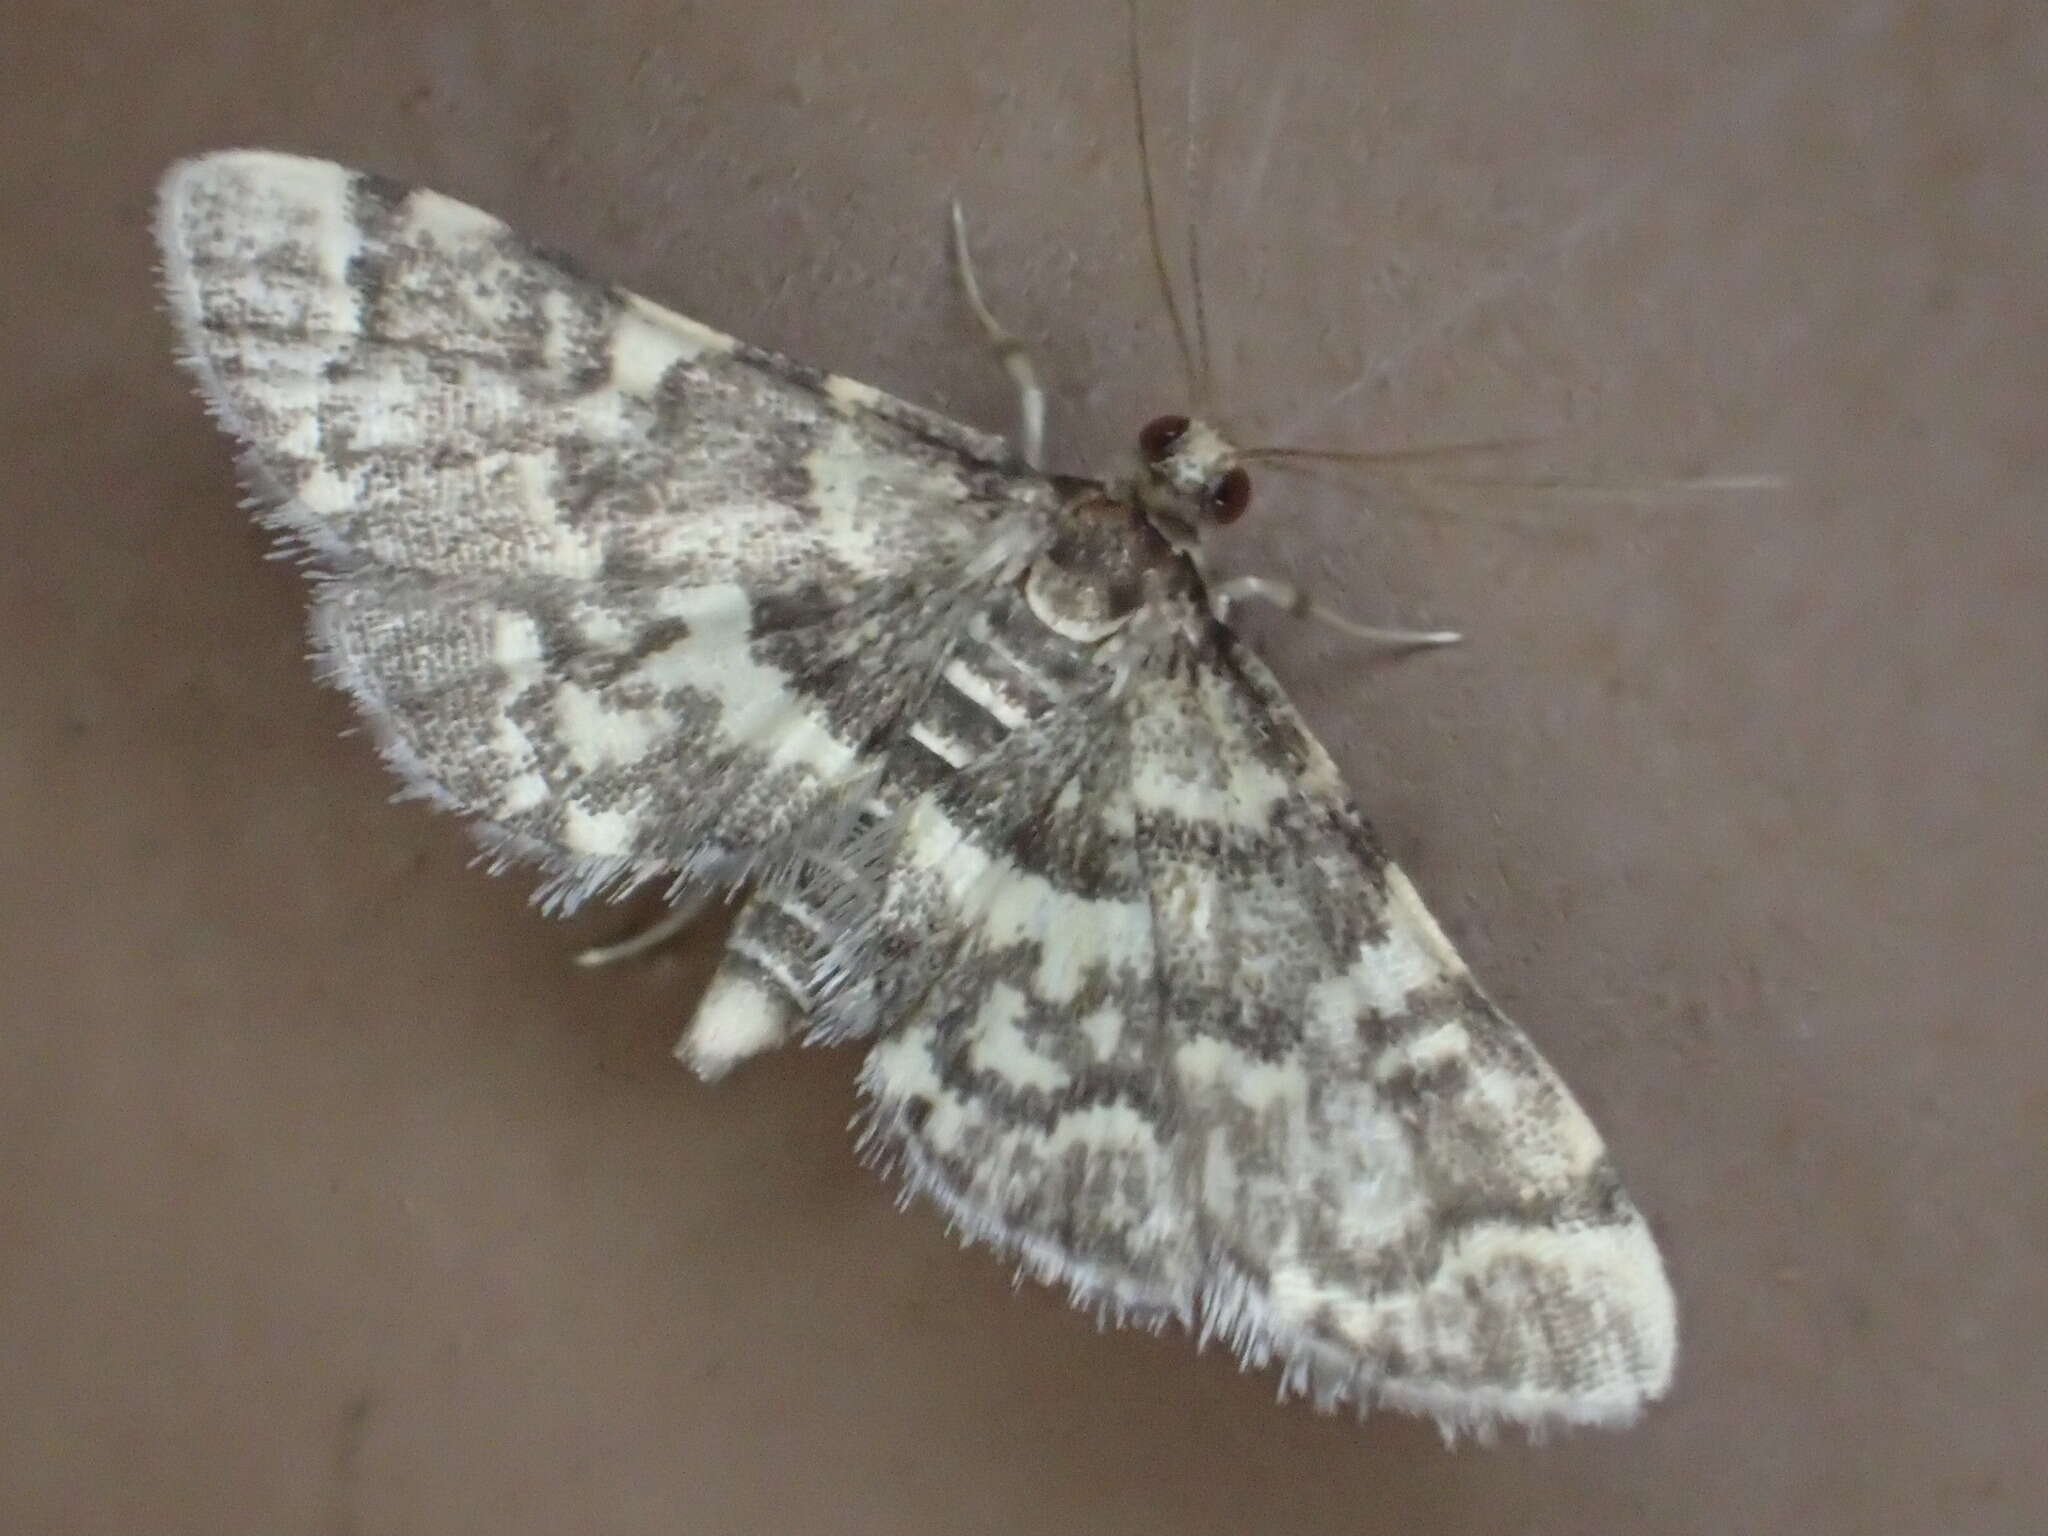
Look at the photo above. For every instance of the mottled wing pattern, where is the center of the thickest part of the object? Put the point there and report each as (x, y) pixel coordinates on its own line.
(1149, 1007)
(563, 529)
(1208, 1057)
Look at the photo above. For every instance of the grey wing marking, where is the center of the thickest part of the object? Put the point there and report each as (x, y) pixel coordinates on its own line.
(566, 526)
(1216, 1062)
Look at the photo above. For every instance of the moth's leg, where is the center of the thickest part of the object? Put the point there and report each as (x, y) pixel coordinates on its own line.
(655, 934)
(1009, 351)
(1285, 594)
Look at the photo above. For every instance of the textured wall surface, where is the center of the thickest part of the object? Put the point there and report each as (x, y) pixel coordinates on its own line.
(333, 1198)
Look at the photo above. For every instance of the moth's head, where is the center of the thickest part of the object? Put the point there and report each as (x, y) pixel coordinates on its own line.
(1191, 479)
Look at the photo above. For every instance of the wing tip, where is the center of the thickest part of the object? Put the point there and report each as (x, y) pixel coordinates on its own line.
(274, 166)
(1611, 1280)
(225, 177)
(186, 182)
(177, 194)
(214, 214)
(189, 217)
(1617, 1269)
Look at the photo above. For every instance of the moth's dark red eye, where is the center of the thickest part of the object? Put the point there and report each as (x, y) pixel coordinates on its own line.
(1230, 495)
(1159, 436)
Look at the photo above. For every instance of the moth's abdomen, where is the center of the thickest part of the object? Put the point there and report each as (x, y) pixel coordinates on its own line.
(1005, 671)
(796, 959)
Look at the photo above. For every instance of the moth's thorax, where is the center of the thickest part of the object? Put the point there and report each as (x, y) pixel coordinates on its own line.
(1106, 563)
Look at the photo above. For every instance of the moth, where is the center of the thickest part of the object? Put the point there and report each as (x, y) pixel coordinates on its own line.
(1146, 1006)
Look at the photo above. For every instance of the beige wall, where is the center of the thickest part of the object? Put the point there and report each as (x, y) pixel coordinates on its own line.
(332, 1198)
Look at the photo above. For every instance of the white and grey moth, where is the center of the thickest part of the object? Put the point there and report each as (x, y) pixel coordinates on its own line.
(1146, 1005)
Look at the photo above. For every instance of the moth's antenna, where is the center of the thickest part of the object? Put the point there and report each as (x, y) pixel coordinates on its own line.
(1180, 330)
(1640, 492)
(1205, 379)
(1410, 472)
(1387, 456)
